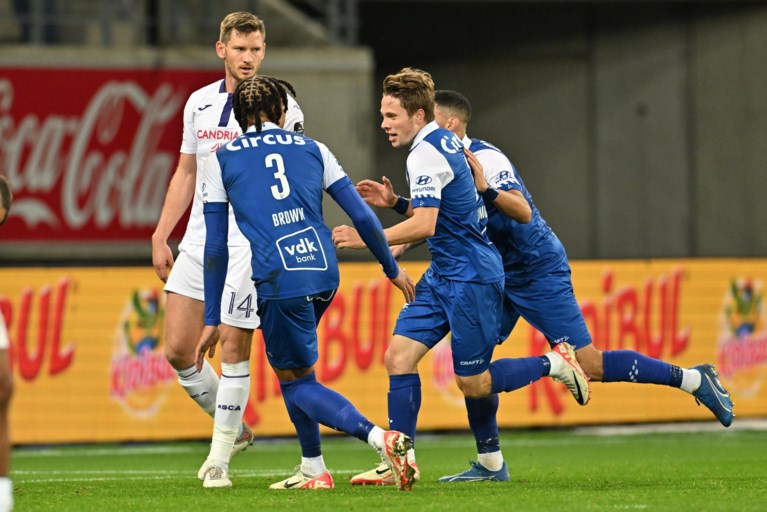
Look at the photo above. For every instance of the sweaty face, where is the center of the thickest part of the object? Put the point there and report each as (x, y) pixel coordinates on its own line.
(399, 127)
(242, 54)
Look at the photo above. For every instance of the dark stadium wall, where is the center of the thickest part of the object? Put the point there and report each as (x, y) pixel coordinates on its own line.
(637, 126)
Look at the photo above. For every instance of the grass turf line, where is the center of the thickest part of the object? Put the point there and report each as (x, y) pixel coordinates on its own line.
(550, 470)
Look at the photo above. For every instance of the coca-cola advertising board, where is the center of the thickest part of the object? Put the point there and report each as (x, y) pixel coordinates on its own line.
(89, 152)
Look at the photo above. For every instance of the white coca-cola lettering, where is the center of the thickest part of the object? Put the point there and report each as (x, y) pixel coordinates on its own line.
(109, 187)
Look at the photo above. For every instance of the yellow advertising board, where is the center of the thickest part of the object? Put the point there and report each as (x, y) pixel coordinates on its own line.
(87, 351)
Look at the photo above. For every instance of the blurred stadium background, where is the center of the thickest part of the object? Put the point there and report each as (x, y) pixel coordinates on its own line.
(639, 128)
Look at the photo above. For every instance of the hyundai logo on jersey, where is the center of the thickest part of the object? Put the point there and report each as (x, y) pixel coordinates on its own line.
(302, 250)
(423, 180)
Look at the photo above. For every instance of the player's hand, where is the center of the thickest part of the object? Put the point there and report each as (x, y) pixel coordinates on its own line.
(346, 237)
(399, 250)
(405, 284)
(162, 259)
(377, 194)
(476, 170)
(207, 343)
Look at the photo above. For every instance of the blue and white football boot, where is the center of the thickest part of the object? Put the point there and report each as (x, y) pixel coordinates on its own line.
(712, 394)
(478, 473)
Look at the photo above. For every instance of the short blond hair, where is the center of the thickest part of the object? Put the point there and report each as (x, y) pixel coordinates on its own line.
(242, 22)
(414, 88)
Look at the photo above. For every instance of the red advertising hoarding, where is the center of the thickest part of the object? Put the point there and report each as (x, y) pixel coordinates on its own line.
(89, 152)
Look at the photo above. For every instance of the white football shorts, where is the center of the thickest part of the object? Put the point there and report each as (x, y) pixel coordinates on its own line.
(238, 303)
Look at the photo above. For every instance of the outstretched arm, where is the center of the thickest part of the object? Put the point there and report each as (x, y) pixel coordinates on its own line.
(416, 229)
(372, 234)
(382, 195)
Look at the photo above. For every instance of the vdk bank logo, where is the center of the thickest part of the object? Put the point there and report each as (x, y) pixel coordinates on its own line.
(743, 338)
(302, 250)
(141, 376)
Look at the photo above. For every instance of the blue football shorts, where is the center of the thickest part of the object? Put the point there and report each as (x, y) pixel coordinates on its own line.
(548, 304)
(289, 327)
(470, 311)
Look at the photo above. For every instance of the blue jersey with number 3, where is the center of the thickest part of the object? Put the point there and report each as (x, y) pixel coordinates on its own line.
(274, 180)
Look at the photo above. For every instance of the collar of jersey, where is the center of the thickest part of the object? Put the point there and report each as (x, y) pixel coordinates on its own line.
(466, 141)
(426, 130)
(264, 126)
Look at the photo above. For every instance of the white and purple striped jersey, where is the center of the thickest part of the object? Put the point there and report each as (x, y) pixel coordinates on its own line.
(440, 177)
(209, 123)
(525, 248)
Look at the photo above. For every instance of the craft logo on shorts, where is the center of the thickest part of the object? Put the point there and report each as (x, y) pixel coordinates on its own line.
(141, 376)
(743, 337)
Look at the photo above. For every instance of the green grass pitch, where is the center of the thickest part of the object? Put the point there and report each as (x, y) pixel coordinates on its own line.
(550, 470)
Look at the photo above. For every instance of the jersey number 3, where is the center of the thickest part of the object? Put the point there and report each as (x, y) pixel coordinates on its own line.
(282, 189)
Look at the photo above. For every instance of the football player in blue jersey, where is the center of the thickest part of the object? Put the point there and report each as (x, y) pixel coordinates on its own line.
(274, 179)
(461, 292)
(6, 378)
(539, 289)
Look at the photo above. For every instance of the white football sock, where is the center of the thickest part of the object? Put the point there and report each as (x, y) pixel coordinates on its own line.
(201, 387)
(690, 380)
(6, 493)
(313, 466)
(556, 363)
(376, 438)
(492, 461)
(231, 399)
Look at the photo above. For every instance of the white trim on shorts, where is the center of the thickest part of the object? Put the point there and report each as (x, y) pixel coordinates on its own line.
(186, 278)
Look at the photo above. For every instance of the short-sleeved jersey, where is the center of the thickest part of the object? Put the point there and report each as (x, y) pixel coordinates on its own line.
(274, 182)
(525, 248)
(209, 124)
(440, 177)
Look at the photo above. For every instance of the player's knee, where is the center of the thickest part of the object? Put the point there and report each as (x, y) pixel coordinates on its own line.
(472, 387)
(399, 362)
(177, 358)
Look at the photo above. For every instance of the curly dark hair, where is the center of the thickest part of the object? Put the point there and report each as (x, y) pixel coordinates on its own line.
(260, 94)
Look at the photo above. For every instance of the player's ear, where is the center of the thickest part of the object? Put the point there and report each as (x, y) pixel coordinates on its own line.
(220, 49)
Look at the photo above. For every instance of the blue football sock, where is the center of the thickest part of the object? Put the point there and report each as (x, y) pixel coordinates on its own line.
(484, 426)
(630, 366)
(514, 373)
(308, 430)
(404, 402)
(328, 407)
